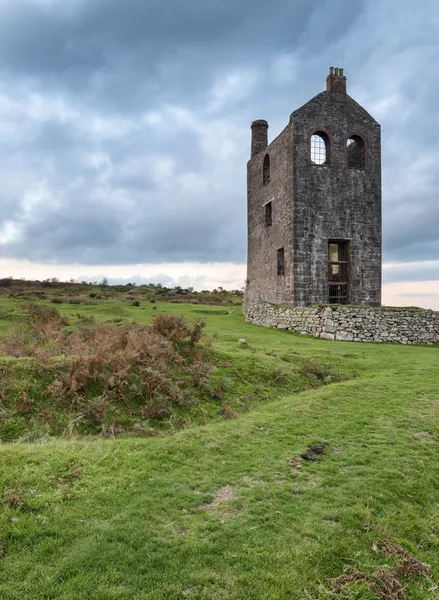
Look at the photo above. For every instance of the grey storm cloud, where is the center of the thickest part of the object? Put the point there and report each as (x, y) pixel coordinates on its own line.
(125, 125)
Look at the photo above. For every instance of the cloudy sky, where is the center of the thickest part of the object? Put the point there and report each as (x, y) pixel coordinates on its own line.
(125, 130)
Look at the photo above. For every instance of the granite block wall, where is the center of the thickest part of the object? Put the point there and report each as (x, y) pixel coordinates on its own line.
(354, 324)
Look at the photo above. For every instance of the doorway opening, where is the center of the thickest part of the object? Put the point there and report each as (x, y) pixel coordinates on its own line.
(338, 271)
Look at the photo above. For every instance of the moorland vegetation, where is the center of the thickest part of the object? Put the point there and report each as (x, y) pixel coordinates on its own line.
(147, 454)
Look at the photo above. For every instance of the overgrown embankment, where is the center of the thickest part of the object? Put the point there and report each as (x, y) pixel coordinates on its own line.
(76, 375)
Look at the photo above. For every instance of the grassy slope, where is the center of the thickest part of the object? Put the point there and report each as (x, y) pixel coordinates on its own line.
(245, 376)
(119, 519)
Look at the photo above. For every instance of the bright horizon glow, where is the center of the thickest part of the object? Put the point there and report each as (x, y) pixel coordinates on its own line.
(211, 275)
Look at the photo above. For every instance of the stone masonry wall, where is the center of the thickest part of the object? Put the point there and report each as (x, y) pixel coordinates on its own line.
(335, 201)
(263, 282)
(362, 324)
(314, 204)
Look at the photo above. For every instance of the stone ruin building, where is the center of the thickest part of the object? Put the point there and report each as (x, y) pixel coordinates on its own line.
(314, 205)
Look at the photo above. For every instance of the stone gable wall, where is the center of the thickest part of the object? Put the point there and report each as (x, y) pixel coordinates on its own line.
(398, 325)
(312, 204)
(335, 202)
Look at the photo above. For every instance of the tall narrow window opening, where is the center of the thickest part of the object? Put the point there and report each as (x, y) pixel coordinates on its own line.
(319, 148)
(355, 152)
(338, 271)
(268, 214)
(280, 261)
(266, 170)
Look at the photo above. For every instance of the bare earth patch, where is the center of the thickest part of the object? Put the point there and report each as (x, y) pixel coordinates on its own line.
(181, 532)
(344, 469)
(223, 495)
(295, 465)
(252, 480)
(422, 436)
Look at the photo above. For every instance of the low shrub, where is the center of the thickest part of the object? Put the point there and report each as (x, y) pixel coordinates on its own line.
(170, 326)
(81, 300)
(313, 369)
(74, 300)
(110, 376)
(177, 328)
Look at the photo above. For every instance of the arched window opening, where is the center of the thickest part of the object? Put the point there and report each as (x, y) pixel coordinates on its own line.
(320, 148)
(355, 152)
(266, 170)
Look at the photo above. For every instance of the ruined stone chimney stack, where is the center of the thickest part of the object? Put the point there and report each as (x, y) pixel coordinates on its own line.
(259, 136)
(336, 81)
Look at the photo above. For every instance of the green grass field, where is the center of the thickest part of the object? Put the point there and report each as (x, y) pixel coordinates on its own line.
(228, 509)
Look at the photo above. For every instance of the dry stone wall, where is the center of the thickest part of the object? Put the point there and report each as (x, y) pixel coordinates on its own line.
(353, 324)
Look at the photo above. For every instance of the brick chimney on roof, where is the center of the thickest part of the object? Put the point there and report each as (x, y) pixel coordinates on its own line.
(336, 81)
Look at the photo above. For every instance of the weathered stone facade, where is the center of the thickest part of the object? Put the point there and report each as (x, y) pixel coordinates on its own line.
(359, 324)
(314, 204)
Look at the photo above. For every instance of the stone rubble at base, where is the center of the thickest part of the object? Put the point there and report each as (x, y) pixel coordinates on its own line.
(351, 324)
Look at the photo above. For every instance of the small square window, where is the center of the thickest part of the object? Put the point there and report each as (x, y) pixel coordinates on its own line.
(281, 261)
(268, 214)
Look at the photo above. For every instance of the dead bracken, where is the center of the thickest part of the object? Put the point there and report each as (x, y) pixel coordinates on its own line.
(389, 582)
(13, 500)
(95, 371)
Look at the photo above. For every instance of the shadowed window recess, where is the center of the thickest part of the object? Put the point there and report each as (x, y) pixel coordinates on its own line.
(319, 150)
(355, 152)
(266, 170)
(338, 271)
(268, 214)
(280, 261)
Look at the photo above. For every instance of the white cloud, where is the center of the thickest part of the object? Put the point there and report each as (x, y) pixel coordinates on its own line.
(141, 133)
(404, 266)
(10, 231)
(232, 87)
(24, 112)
